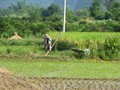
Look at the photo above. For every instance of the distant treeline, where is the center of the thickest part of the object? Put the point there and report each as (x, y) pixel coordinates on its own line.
(33, 20)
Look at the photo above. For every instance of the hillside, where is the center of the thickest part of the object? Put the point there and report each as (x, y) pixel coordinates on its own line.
(72, 4)
(41, 3)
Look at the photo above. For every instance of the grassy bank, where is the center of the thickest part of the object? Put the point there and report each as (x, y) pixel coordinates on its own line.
(63, 69)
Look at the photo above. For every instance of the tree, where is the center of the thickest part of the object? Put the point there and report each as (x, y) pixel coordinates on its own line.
(83, 12)
(52, 9)
(3, 24)
(35, 14)
(71, 17)
(108, 4)
(19, 6)
(113, 10)
(96, 9)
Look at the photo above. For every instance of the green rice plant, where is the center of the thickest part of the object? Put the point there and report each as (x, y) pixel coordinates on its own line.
(81, 36)
(82, 40)
(64, 45)
(110, 49)
(56, 69)
(8, 50)
(100, 45)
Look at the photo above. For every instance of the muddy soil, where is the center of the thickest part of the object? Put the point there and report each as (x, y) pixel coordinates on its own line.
(11, 82)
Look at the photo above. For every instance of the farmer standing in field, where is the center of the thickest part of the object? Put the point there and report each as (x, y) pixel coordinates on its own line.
(47, 42)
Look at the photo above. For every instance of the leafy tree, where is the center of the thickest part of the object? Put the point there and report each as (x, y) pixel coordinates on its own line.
(54, 18)
(71, 17)
(3, 24)
(113, 10)
(20, 6)
(35, 15)
(83, 12)
(96, 9)
(39, 27)
(52, 9)
(108, 4)
(55, 26)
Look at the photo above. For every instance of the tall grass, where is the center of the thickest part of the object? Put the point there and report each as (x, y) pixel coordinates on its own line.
(99, 43)
(102, 44)
(84, 39)
(81, 36)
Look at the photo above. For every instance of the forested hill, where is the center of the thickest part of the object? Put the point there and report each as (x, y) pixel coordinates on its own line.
(42, 3)
(72, 4)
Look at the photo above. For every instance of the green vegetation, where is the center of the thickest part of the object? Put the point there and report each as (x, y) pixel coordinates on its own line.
(32, 20)
(63, 69)
(94, 28)
(103, 46)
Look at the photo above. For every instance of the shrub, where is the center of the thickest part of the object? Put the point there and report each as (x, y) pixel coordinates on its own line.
(110, 49)
(99, 26)
(72, 27)
(18, 43)
(117, 28)
(63, 45)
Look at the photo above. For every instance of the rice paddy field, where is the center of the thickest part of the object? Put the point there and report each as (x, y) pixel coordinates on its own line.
(60, 70)
(57, 69)
(82, 40)
(81, 36)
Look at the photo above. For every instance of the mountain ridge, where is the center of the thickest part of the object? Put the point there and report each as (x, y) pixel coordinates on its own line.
(72, 4)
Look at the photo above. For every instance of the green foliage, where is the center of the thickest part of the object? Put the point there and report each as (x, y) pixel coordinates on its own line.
(71, 17)
(96, 9)
(113, 10)
(117, 28)
(72, 27)
(63, 45)
(37, 28)
(102, 45)
(3, 24)
(99, 26)
(19, 6)
(83, 12)
(110, 49)
(55, 26)
(29, 20)
(52, 9)
(18, 43)
(54, 18)
(8, 50)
